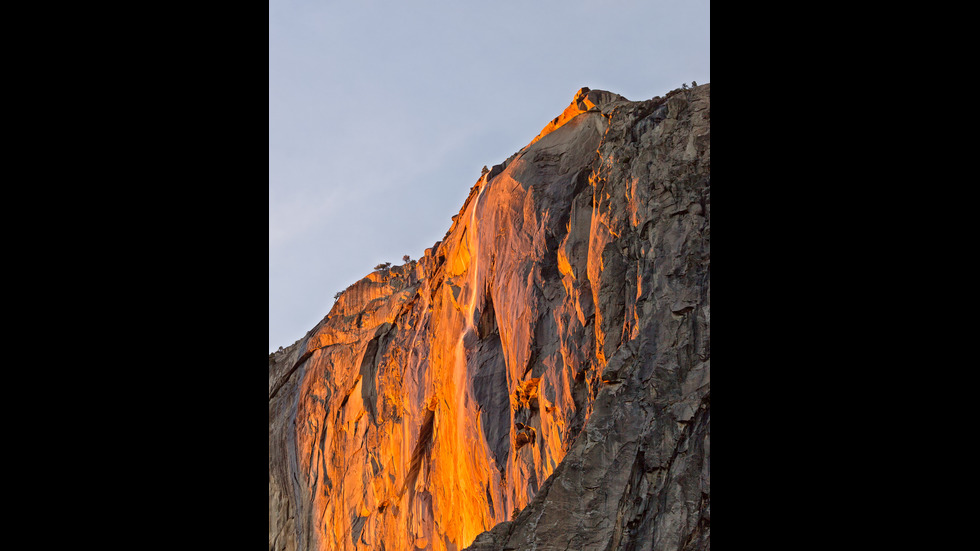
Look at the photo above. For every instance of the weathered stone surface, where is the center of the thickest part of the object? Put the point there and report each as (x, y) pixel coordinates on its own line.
(548, 358)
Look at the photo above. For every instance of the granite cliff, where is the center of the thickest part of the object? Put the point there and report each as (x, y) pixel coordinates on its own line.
(540, 378)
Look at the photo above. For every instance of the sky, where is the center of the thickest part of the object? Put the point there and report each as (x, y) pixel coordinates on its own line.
(383, 113)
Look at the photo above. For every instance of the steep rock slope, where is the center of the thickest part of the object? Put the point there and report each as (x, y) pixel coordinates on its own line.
(540, 378)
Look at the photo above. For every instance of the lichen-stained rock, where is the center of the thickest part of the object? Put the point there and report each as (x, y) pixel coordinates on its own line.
(540, 378)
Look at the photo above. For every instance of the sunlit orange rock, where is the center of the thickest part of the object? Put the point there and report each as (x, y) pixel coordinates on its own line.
(559, 331)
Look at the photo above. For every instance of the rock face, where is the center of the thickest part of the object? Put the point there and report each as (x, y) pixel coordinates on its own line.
(540, 378)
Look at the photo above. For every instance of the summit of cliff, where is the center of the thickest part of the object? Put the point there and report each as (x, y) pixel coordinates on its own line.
(585, 101)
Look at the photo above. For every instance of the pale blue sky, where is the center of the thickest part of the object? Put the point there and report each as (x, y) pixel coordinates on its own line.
(382, 113)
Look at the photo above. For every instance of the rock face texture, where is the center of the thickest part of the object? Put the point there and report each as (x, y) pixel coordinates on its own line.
(540, 378)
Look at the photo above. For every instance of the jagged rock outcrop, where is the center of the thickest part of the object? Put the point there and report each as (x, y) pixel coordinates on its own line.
(539, 379)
